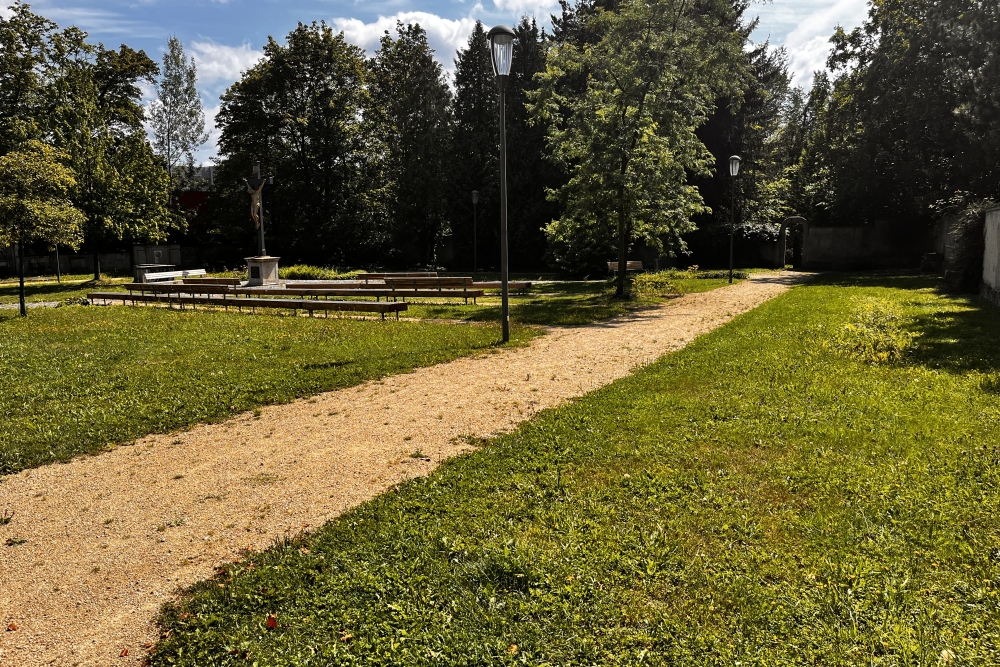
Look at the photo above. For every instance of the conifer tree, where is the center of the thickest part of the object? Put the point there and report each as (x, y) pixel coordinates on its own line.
(411, 112)
(476, 154)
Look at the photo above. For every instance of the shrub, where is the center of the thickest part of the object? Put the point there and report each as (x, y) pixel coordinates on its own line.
(875, 334)
(654, 284)
(307, 272)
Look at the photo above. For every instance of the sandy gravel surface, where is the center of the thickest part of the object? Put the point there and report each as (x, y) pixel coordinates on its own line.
(111, 537)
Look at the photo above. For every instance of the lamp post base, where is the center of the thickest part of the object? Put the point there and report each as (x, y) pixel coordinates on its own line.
(262, 271)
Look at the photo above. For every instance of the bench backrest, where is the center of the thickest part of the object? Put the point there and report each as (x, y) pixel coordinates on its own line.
(170, 275)
(180, 288)
(383, 276)
(631, 265)
(211, 281)
(429, 283)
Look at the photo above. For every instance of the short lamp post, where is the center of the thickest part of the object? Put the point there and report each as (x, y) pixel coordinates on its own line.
(475, 235)
(502, 52)
(734, 171)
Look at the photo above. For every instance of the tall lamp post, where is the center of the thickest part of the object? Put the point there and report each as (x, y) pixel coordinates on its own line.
(502, 52)
(475, 235)
(734, 171)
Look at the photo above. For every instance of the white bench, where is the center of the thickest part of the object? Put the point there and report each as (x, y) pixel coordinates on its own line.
(170, 275)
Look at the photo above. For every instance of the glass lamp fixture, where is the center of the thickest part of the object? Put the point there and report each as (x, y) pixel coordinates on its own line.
(501, 49)
(734, 166)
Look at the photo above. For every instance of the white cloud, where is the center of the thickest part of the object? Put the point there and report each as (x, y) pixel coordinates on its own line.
(218, 62)
(808, 44)
(536, 8)
(445, 36)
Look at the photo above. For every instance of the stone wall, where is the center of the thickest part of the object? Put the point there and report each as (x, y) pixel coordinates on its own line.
(881, 245)
(991, 257)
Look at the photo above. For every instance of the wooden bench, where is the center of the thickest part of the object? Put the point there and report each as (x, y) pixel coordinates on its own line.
(439, 285)
(369, 277)
(179, 288)
(630, 265)
(361, 291)
(294, 305)
(235, 282)
(170, 275)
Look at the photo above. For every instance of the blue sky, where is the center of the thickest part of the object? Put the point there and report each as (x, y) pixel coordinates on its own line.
(226, 36)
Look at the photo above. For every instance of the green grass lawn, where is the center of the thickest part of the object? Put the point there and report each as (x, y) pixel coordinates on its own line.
(72, 286)
(76, 379)
(766, 496)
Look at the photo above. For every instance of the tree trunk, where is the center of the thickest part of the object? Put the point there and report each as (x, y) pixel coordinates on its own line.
(20, 275)
(622, 289)
(97, 263)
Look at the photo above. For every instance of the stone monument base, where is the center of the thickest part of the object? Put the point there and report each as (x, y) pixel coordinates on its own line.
(262, 271)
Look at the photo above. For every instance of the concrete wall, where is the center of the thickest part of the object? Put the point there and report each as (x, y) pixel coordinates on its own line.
(880, 245)
(991, 257)
(112, 262)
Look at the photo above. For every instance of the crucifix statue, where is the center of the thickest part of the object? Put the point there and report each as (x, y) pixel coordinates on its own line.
(255, 186)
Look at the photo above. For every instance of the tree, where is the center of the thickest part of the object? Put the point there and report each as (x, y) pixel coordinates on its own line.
(95, 116)
(301, 112)
(530, 175)
(24, 53)
(34, 201)
(176, 116)
(412, 121)
(628, 140)
(475, 150)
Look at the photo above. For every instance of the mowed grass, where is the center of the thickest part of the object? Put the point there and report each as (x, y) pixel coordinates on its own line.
(72, 286)
(763, 497)
(77, 379)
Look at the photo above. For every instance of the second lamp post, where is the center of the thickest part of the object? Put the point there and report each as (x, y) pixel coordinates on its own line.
(502, 52)
(734, 171)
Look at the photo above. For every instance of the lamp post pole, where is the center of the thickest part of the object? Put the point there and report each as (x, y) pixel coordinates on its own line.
(502, 51)
(475, 233)
(505, 304)
(734, 171)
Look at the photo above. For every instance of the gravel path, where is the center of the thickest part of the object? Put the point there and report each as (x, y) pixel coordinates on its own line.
(30, 304)
(111, 537)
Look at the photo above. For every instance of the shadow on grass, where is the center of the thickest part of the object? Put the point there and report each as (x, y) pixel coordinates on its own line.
(958, 338)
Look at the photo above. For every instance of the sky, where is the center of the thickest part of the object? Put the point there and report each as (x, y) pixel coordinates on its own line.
(226, 36)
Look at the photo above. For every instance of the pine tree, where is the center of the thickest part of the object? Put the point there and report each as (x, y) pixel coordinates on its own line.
(475, 155)
(412, 120)
(176, 116)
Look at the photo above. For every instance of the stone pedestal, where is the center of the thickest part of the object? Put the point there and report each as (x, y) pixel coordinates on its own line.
(262, 271)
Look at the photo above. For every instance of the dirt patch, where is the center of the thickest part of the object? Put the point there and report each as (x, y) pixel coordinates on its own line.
(109, 538)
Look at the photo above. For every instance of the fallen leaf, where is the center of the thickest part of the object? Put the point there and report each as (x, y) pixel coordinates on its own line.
(513, 649)
(123, 653)
(303, 550)
(12, 627)
(346, 636)
(272, 621)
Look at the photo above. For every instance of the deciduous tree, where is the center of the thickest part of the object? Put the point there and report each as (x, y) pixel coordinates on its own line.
(627, 141)
(34, 201)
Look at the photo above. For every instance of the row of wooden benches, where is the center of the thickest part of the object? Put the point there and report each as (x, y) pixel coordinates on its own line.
(391, 281)
(309, 305)
(356, 291)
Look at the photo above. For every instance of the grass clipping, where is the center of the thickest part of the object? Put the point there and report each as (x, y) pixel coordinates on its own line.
(876, 334)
